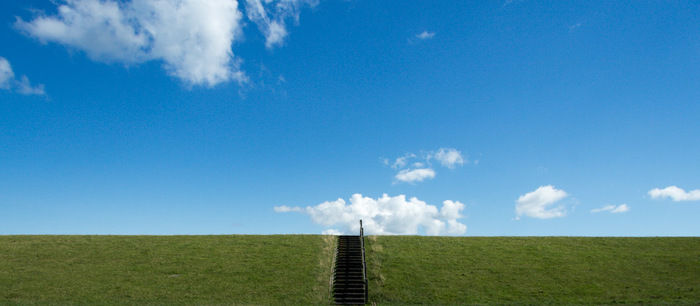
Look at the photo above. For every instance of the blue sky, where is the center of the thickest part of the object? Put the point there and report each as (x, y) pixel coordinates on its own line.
(275, 117)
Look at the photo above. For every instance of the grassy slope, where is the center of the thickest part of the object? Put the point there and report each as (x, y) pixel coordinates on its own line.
(165, 269)
(558, 270)
(403, 270)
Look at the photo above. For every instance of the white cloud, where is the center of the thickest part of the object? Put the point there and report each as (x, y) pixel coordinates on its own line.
(387, 216)
(448, 157)
(612, 208)
(331, 231)
(6, 74)
(271, 20)
(538, 204)
(675, 193)
(425, 35)
(284, 208)
(276, 34)
(192, 38)
(621, 209)
(401, 161)
(415, 175)
(274, 31)
(421, 170)
(574, 27)
(509, 2)
(21, 85)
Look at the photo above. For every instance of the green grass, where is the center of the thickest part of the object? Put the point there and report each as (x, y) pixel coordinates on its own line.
(528, 270)
(165, 269)
(295, 270)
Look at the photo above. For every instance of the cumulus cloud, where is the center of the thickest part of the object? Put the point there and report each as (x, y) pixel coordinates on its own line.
(675, 193)
(415, 175)
(425, 35)
(386, 216)
(539, 203)
(612, 208)
(192, 38)
(422, 169)
(8, 81)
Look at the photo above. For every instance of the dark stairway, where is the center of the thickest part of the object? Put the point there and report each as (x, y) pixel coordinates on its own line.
(350, 281)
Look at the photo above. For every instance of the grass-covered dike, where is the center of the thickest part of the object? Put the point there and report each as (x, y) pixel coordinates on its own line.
(534, 270)
(295, 270)
(166, 270)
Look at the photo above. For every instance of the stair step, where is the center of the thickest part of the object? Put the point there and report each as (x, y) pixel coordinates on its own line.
(350, 302)
(349, 280)
(338, 291)
(349, 283)
(350, 286)
(348, 269)
(349, 289)
(354, 300)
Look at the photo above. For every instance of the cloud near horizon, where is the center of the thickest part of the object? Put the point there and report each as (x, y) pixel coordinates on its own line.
(192, 38)
(9, 82)
(539, 203)
(385, 216)
(675, 193)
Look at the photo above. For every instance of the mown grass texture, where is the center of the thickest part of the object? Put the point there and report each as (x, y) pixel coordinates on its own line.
(533, 270)
(165, 270)
(295, 270)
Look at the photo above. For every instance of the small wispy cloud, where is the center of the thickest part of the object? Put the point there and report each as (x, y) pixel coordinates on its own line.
(401, 161)
(509, 2)
(271, 16)
(540, 203)
(675, 193)
(449, 158)
(425, 35)
(413, 168)
(283, 209)
(385, 216)
(9, 82)
(615, 209)
(415, 175)
(574, 27)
